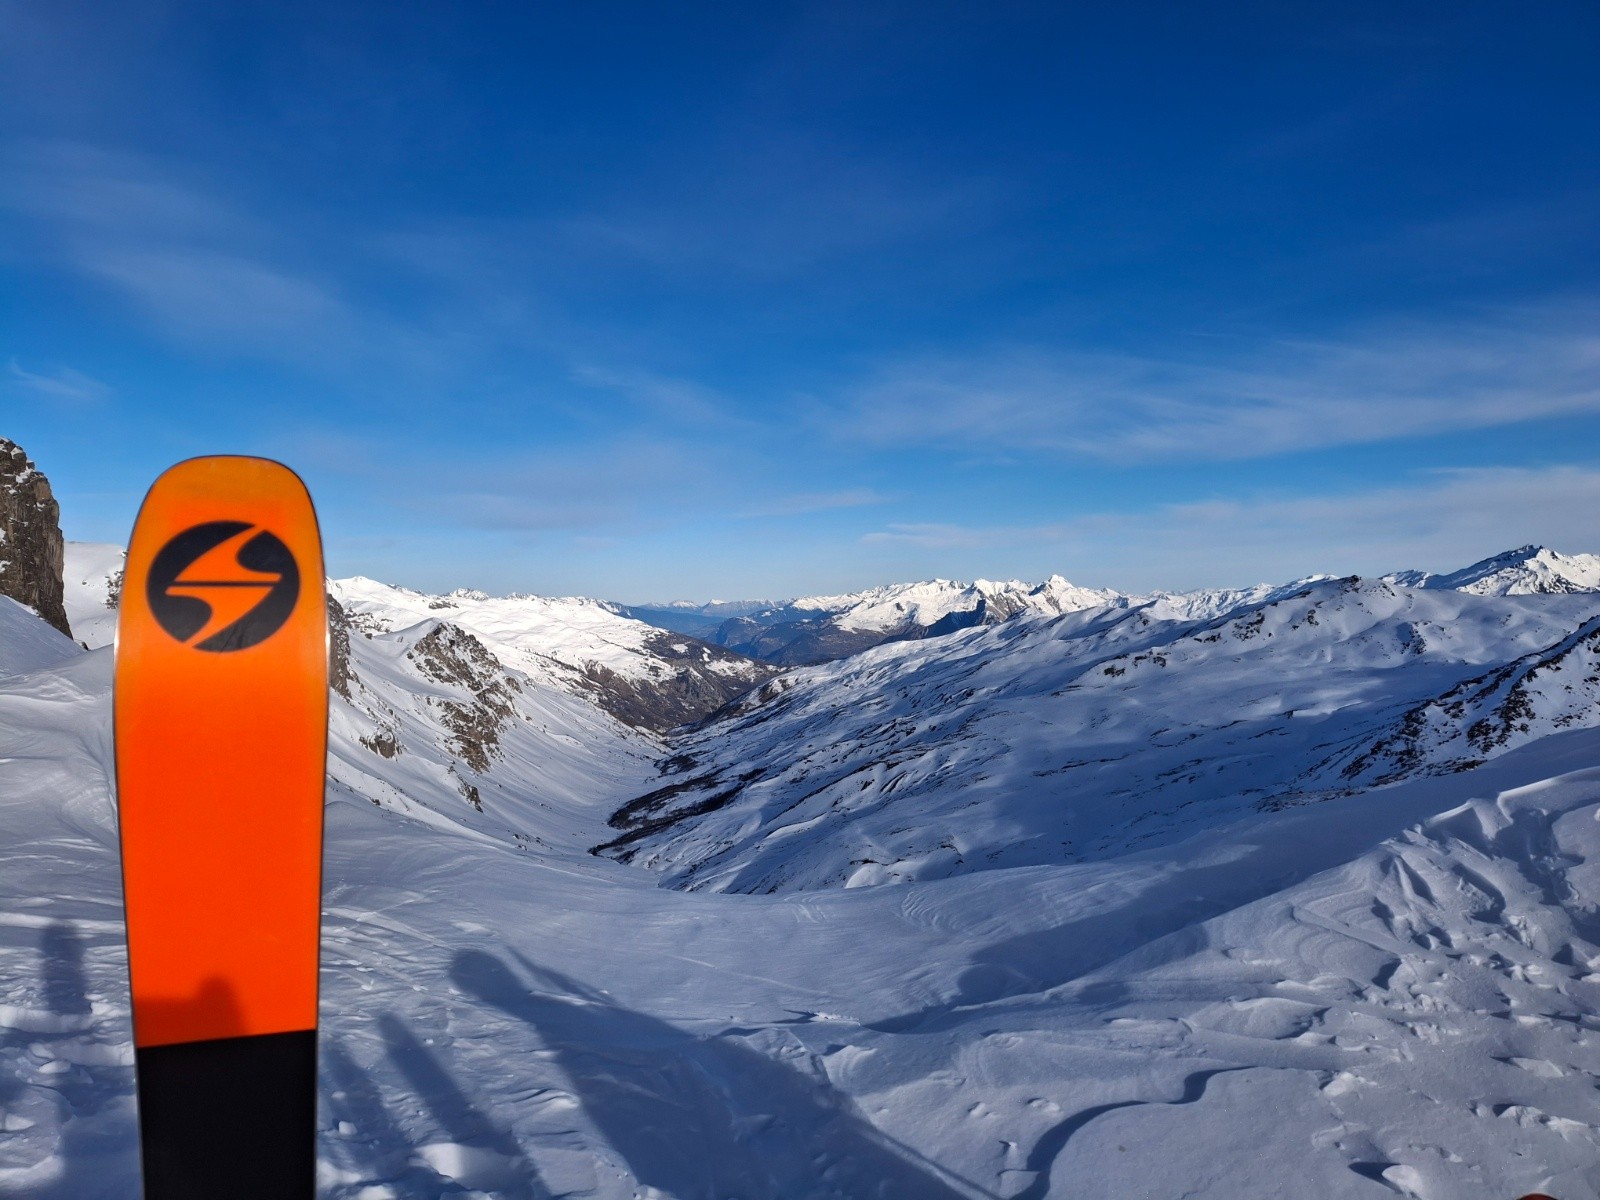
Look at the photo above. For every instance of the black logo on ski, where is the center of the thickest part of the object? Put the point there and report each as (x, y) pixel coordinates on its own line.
(224, 585)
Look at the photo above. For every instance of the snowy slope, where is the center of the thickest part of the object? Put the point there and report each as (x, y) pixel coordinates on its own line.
(1392, 993)
(1527, 570)
(93, 580)
(28, 644)
(638, 673)
(1091, 734)
(1214, 602)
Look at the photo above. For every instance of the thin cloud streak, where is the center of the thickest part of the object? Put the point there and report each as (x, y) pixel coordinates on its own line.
(64, 384)
(788, 207)
(1286, 397)
(681, 402)
(197, 268)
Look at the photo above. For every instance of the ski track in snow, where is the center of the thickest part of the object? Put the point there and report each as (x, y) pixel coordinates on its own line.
(1390, 994)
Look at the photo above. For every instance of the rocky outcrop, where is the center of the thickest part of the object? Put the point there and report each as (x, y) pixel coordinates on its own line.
(694, 681)
(338, 648)
(452, 656)
(32, 552)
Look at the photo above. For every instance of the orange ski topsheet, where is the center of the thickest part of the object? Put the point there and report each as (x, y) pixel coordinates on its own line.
(221, 733)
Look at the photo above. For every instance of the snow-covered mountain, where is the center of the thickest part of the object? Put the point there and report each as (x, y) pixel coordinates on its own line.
(1214, 602)
(1188, 889)
(1390, 992)
(892, 608)
(433, 719)
(815, 629)
(823, 628)
(640, 674)
(1089, 735)
(1527, 570)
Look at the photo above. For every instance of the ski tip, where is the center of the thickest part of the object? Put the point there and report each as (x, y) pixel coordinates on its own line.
(1536, 1196)
(230, 461)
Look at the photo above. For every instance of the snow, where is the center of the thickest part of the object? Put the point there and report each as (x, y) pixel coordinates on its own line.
(898, 606)
(1527, 570)
(1386, 993)
(1094, 733)
(88, 576)
(28, 644)
(533, 633)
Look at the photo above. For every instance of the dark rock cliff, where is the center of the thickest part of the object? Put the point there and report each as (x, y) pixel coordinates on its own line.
(32, 552)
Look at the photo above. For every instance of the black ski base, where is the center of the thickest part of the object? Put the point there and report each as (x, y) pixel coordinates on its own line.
(234, 1118)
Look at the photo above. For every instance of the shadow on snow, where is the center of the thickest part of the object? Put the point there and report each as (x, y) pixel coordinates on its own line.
(703, 1117)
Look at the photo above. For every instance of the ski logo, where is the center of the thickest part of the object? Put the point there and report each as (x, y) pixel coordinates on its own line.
(223, 586)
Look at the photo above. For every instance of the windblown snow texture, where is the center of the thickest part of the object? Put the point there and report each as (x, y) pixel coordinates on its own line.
(1284, 961)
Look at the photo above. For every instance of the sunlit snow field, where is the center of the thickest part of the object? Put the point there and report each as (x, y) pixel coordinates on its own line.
(1385, 993)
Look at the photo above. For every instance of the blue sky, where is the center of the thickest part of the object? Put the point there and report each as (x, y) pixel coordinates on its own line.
(655, 301)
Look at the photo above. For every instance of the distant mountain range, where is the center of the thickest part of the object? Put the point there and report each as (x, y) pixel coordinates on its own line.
(816, 629)
(1037, 876)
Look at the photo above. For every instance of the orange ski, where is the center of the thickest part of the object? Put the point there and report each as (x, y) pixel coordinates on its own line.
(221, 739)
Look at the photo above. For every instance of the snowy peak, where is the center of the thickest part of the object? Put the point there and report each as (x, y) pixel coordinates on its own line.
(900, 606)
(644, 676)
(1214, 602)
(1525, 571)
(432, 724)
(822, 628)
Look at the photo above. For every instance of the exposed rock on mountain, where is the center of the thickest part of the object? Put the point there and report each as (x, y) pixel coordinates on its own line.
(32, 552)
(1553, 688)
(338, 648)
(643, 676)
(1525, 571)
(453, 656)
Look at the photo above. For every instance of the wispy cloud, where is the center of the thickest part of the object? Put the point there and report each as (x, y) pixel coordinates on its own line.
(63, 384)
(791, 204)
(199, 268)
(950, 537)
(1279, 396)
(217, 295)
(1445, 520)
(677, 401)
